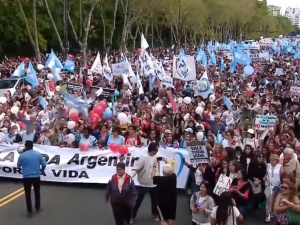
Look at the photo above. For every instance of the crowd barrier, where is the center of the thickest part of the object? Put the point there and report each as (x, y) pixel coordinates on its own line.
(94, 166)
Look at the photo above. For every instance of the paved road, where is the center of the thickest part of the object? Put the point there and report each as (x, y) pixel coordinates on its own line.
(80, 205)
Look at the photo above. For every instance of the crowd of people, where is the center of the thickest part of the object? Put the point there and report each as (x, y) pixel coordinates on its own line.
(262, 163)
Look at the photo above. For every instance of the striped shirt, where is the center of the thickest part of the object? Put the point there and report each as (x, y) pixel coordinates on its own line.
(91, 140)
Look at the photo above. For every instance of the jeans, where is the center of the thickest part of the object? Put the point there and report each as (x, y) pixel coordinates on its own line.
(36, 183)
(243, 210)
(141, 194)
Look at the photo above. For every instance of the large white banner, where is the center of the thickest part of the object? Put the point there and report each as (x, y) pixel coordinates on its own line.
(93, 166)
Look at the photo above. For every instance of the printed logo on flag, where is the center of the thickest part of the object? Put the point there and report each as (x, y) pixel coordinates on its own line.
(203, 85)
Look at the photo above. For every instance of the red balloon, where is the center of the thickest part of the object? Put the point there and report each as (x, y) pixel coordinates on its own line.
(99, 110)
(92, 113)
(250, 92)
(26, 60)
(70, 56)
(123, 149)
(95, 118)
(113, 147)
(103, 104)
(138, 51)
(88, 82)
(84, 146)
(74, 117)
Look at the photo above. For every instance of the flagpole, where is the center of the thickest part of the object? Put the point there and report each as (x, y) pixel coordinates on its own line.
(66, 28)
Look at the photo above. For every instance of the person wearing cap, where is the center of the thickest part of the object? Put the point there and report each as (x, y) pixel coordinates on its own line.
(120, 192)
(143, 169)
(32, 164)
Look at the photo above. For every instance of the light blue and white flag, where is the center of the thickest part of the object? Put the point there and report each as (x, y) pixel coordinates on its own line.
(241, 58)
(19, 71)
(43, 102)
(69, 65)
(31, 76)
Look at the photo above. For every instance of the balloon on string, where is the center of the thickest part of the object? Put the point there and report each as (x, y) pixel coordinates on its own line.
(99, 110)
(73, 110)
(88, 82)
(212, 98)
(123, 118)
(14, 110)
(199, 110)
(84, 146)
(71, 125)
(107, 113)
(3, 100)
(138, 51)
(187, 100)
(91, 113)
(40, 66)
(70, 138)
(103, 104)
(250, 92)
(123, 149)
(50, 76)
(74, 117)
(158, 107)
(248, 70)
(113, 147)
(116, 93)
(57, 88)
(95, 118)
(200, 136)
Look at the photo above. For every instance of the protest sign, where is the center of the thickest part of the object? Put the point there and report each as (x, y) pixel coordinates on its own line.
(198, 152)
(120, 68)
(295, 90)
(264, 122)
(74, 86)
(222, 185)
(106, 92)
(264, 56)
(279, 71)
(184, 68)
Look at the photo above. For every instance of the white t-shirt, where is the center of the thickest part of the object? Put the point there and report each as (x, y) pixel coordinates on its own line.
(229, 220)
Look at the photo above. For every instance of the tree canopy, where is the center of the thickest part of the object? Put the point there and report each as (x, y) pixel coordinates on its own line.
(28, 27)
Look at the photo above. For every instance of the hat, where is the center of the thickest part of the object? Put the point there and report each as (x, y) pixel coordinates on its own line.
(250, 131)
(190, 130)
(120, 165)
(152, 147)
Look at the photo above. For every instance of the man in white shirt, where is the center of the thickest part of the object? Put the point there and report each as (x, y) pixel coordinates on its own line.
(143, 170)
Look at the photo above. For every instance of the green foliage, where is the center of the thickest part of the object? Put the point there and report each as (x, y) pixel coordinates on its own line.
(162, 21)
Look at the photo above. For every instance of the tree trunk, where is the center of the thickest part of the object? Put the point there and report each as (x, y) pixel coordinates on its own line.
(54, 27)
(34, 42)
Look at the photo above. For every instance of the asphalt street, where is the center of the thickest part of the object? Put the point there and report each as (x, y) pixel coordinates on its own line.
(69, 204)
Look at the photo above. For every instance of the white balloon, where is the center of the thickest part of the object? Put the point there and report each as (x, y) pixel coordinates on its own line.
(27, 97)
(212, 98)
(15, 110)
(199, 110)
(158, 107)
(109, 105)
(57, 88)
(3, 100)
(50, 76)
(71, 124)
(123, 118)
(73, 110)
(187, 100)
(40, 66)
(200, 136)
(70, 138)
(20, 149)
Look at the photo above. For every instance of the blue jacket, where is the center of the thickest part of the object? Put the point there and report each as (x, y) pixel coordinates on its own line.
(32, 163)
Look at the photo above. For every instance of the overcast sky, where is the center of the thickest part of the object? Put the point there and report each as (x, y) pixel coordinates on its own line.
(284, 3)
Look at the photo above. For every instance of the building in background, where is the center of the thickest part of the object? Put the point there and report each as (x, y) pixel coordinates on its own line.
(293, 14)
(274, 10)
